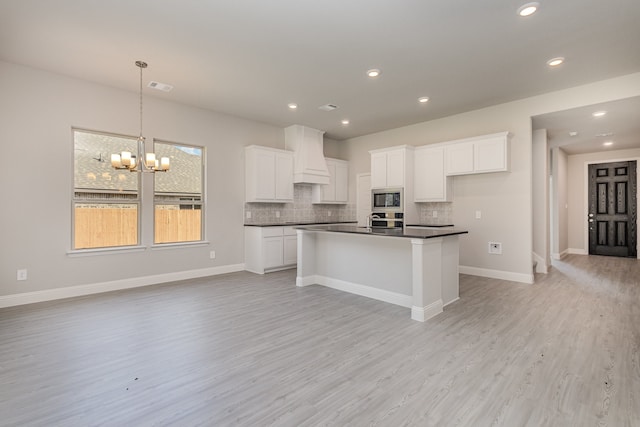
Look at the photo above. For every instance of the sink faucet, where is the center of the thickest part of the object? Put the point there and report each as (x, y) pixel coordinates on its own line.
(370, 219)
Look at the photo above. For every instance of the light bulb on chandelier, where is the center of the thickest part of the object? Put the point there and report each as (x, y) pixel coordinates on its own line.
(126, 160)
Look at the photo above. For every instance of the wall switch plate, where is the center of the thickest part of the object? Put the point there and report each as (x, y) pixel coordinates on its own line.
(478, 214)
(248, 214)
(495, 248)
(277, 214)
(212, 254)
(328, 213)
(22, 274)
(435, 214)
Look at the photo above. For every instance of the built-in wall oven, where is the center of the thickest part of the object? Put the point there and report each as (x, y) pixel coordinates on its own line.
(387, 208)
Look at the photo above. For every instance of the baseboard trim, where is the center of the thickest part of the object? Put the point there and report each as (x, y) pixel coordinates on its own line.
(422, 314)
(496, 274)
(541, 265)
(115, 285)
(577, 251)
(559, 256)
(358, 289)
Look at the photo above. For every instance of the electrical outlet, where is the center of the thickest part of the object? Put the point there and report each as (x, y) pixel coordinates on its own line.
(277, 214)
(478, 214)
(328, 213)
(212, 254)
(248, 214)
(435, 214)
(22, 274)
(495, 248)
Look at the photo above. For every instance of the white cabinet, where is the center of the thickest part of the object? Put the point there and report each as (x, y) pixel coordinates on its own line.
(483, 154)
(431, 184)
(268, 175)
(269, 248)
(337, 191)
(389, 166)
(459, 158)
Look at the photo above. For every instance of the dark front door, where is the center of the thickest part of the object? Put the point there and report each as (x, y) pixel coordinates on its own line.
(612, 209)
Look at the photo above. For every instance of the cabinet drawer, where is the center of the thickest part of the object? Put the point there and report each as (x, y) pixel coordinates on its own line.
(289, 231)
(272, 231)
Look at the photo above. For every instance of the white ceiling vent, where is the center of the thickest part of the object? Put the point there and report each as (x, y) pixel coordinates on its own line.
(328, 107)
(160, 86)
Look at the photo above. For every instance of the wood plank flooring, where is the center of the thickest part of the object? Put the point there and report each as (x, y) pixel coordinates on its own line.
(249, 350)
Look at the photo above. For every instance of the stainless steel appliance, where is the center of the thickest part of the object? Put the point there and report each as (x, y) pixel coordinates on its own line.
(386, 208)
(387, 200)
(387, 219)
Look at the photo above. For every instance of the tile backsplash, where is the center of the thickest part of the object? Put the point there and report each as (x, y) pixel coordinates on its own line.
(444, 212)
(301, 210)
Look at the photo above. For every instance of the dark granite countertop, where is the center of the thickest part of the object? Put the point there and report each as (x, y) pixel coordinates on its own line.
(415, 233)
(291, 224)
(429, 225)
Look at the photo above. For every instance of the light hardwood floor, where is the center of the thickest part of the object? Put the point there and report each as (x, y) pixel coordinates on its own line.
(250, 350)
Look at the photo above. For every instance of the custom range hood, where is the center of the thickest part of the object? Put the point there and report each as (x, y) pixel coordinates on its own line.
(309, 165)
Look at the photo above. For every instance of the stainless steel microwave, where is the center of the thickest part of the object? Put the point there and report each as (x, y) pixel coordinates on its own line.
(386, 199)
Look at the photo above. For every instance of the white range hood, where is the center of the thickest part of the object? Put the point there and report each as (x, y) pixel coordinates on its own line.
(309, 165)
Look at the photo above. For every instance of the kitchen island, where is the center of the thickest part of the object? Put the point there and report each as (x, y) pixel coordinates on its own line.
(412, 267)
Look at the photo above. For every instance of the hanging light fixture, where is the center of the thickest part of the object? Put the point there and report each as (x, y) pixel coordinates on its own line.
(126, 160)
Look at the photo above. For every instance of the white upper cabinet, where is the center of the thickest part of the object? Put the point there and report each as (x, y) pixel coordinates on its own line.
(268, 175)
(337, 191)
(482, 154)
(459, 158)
(431, 184)
(389, 166)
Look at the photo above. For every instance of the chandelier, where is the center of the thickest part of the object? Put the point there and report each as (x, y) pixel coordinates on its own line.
(128, 161)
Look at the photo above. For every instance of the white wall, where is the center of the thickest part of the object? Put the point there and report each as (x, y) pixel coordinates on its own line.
(540, 187)
(38, 110)
(560, 239)
(577, 188)
(505, 199)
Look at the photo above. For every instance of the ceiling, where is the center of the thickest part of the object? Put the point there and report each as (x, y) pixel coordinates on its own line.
(250, 58)
(620, 126)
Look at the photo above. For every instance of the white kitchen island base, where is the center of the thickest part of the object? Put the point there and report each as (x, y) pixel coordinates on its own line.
(417, 270)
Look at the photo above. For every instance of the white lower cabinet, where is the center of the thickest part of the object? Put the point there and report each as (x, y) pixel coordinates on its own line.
(269, 248)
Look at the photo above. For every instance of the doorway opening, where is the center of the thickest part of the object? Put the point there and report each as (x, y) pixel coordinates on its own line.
(613, 209)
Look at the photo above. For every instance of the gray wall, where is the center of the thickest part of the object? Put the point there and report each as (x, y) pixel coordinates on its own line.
(540, 178)
(38, 110)
(505, 199)
(560, 208)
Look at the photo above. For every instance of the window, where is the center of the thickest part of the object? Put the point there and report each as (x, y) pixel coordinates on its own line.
(178, 194)
(106, 201)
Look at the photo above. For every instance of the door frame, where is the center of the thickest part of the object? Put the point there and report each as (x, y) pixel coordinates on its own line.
(585, 208)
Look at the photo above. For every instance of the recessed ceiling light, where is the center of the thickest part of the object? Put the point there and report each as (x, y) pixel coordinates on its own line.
(423, 99)
(528, 9)
(345, 122)
(608, 143)
(599, 113)
(374, 72)
(554, 62)
(292, 106)
(573, 133)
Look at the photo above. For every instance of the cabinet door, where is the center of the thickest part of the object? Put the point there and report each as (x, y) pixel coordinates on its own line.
(329, 190)
(290, 250)
(272, 249)
(429, 184)
(342, 183)
(379, 170)
(265, 169)
(459, 158)
(283, 173)
(491, 155)
(395, 168)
